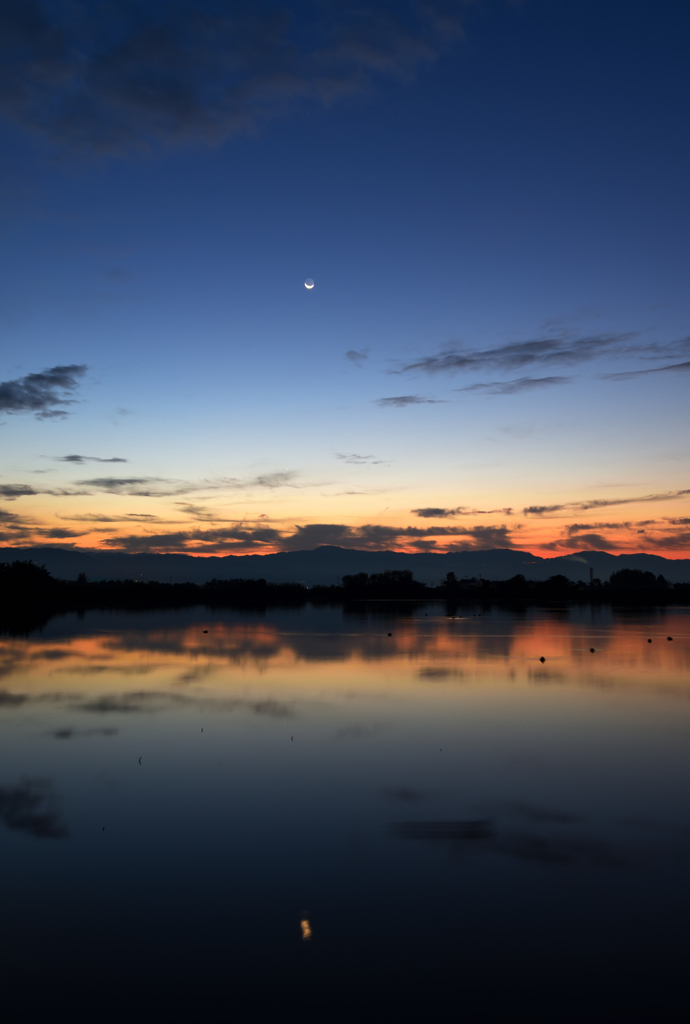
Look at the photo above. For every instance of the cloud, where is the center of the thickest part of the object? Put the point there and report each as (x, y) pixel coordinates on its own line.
(30, 807)
(85, 458)
(400, 401)
(242, 537)
(12, 491)
(583, 506)
(583, 542)
(215, 541)
(682, 367)
(46, 394)
(14, 527)
(561, 349)
(376, 537)
(359, 460)
(200, 512)
(95, 517)
(586, 536)
(108, 78)
(461, 510)
(270, 480)
(154, 486)
(672, 541)
(133, 485)
(436, 513)
(580, 527)
(485, 538)
(356, 357)
(59, 533)
(512, 387)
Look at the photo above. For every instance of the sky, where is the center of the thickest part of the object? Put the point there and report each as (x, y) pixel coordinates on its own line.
(491, 198)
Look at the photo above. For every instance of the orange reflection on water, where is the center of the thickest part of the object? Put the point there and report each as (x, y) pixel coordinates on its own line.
(219, 657)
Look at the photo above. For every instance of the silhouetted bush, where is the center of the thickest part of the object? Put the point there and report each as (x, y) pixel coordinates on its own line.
(636, 578)
(21, 580)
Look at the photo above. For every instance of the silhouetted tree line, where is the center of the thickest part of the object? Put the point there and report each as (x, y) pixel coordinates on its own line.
(28, 592)
(29, 595)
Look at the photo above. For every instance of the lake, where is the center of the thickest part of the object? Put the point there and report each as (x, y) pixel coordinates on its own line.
(350, 815)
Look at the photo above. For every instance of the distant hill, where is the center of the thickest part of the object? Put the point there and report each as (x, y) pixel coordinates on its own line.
(327, 565)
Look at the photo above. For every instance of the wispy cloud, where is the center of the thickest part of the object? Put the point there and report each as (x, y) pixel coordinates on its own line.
(112, 77)
(583, 542)
(584, 506)
(251, 537)
(85, 458)
(133, 485)
(353, 459)
(461, 510)
(200, 512)
(561, 349)
(675, 368)
(12, 491)
(152, 486)
(97, 517)
(215, 541)
(400, 401)
(46, 394)
(356, 357)
(14, 527)
(374, 536)
(436, 513)
(60, 533)
(513, 387)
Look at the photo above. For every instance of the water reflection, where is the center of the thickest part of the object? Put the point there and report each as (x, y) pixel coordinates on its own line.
(434, 649)
(176, 789)
(30, 807)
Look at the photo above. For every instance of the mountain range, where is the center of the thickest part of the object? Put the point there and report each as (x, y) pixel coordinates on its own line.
(327, 565)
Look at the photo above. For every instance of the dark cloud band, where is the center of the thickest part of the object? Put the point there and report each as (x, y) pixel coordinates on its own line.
(116, 76)
(45, 394)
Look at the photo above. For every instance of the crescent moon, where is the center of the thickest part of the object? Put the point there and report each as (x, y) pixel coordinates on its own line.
(309, 284)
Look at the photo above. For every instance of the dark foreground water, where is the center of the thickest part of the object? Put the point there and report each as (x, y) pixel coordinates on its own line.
(298, 816)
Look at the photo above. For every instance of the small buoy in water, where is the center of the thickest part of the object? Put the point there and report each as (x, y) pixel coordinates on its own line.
(204, 631)
(669, 638)
(390, 634)
(649, 641)
(591, 650)
(542, 660)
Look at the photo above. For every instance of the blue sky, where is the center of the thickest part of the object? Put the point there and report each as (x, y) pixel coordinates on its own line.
(492, 200)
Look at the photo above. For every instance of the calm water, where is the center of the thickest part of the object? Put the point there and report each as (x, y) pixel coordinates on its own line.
(297, 815)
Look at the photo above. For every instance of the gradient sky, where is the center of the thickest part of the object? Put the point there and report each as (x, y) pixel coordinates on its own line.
(492, 199)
